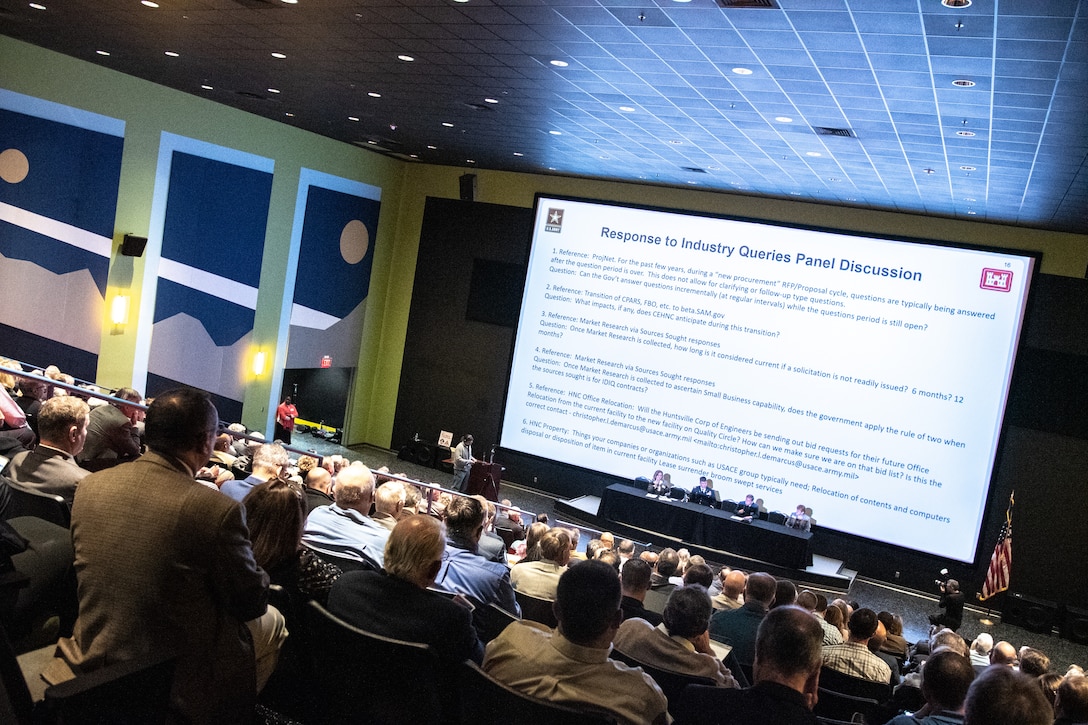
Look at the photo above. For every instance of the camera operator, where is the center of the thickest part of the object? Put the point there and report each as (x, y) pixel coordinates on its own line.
(952, 604)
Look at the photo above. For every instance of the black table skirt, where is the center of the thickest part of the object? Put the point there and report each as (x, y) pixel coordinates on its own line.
(704, 526)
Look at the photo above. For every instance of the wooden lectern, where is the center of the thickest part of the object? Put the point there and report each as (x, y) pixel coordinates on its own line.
(483, 479)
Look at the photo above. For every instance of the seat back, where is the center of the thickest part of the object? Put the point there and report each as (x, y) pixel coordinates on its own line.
(838, 706)
(507, 535)
(671, 683)
(137, 691)
(729, 505)
(486, 701)
(15, 703)
(490, 620)
(677, 493)
(536, 610)
(855, 686)
(24, 501)
(776, 517)
(359, 676)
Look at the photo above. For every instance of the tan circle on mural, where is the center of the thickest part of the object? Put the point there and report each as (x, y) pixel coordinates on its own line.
(13, 166)
(354, 241)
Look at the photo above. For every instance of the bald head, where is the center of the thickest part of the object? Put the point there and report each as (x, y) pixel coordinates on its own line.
(733, 584)
(319, 479)
(355, 489)
(1003, 653)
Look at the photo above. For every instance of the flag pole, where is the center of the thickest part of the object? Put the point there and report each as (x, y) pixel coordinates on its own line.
(997, 574)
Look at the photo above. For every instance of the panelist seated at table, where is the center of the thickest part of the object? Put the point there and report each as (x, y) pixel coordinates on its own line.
(659, 485)
(799, 519)
(749, 508)
(704, 493)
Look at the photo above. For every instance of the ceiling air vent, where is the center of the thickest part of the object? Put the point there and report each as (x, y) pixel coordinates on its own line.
(768, 4)
(829, 131)
(693, 169)
(253, 96)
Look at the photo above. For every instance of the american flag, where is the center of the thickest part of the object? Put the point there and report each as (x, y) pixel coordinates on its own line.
(997, 576)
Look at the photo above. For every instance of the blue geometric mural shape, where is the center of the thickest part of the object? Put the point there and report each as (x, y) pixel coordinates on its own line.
(48, 253)
(225, 322)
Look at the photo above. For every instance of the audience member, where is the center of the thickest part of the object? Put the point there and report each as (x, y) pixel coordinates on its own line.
(1049, 684)
(832, 631)
(541, 578)
(396, 602)
(112, 436)
(732, 595)
(318, 482)
(609, 557)
(269, 461)
(700, 574)
(532, 542)
(51, 467)
(491, 546)
(1071, 702)
(785, 593)
(626, 550)
(412, 498)
(1003, 696)
(343, 533)
(607, 539)
(274, 514)
(875, 644)
(570, 665)
(895, 644)
(835, 617)
(682, 644)
(738, 627)
(1003, 653)
(945, 681)
(635, 582)
(389, 499)
(510, 519)
(463, 570)
(786, 673)
(166, 564)
(1033, 662)
(806, 599)
(853, 657)
(223, 454)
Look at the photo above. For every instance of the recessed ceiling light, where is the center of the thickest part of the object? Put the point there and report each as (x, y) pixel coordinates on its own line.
(447, 124)
(206, 87)
(796, 193)
(969, 198)
(38, 6)
(963, 83)
(372, 94)
(551, 168)
(965, 133)
(102, 52)
(929, 170)
(967, 168)
(416, 156)
(783, 119)
(971, 212)
(627, 109)
(491, 100)
(469, 161)
(279, 56)
(147, 3)
(171, 53)
(518, 153)
(955, 3)
(433, 148)
(405, 58)
(460, 1)
(289, 114)
(353, 118)
(290, 2)
(743, 71)
(813, 153)
(273, 90)
(690, 182)
(559, 63)
(832, 178)
(372, 141)
(675, 142)
(556, 133)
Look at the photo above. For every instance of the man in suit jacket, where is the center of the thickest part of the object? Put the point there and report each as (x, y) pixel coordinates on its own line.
(112, 436)
(51, 467)
(396, 602)
(165, 564)
(737, 627)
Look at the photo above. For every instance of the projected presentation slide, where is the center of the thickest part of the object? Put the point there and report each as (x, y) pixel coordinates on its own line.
(865, 378)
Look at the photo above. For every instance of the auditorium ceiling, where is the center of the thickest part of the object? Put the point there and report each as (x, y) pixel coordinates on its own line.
(974, 112)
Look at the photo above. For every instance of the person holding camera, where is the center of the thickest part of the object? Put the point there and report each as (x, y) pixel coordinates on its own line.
(952, 604)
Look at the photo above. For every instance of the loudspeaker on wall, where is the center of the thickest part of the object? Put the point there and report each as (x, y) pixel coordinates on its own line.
(468, 187)
(133, 246)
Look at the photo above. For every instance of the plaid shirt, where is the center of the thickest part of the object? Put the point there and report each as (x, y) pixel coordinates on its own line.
(852, 658)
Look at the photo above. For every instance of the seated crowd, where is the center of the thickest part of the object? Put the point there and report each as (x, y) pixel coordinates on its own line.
(177, 549)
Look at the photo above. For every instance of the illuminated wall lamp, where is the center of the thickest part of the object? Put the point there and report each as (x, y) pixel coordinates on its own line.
(119, 310)
(258, 363)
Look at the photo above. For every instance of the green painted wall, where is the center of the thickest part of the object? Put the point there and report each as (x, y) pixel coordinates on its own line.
(149, 109)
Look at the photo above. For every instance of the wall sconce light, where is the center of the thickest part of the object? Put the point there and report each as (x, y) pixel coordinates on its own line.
(258, 363)
(119, 310)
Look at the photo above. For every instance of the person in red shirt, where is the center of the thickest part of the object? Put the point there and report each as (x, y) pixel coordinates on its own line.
(286, 413)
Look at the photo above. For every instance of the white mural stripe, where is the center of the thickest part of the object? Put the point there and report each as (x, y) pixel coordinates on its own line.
(208, 283)
(309, 317)
(94, 243)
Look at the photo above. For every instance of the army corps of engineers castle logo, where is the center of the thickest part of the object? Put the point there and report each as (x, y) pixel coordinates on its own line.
(555, 221)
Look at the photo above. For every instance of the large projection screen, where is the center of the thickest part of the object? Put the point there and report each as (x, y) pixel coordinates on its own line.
(863, 377)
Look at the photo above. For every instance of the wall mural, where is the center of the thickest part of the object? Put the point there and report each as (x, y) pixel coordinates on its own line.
(59, 173)
(336, 254)
(213, 228)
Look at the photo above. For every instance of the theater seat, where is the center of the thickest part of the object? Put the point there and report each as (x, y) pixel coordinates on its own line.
(486, 701)
(671, 683)
(535, 609)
